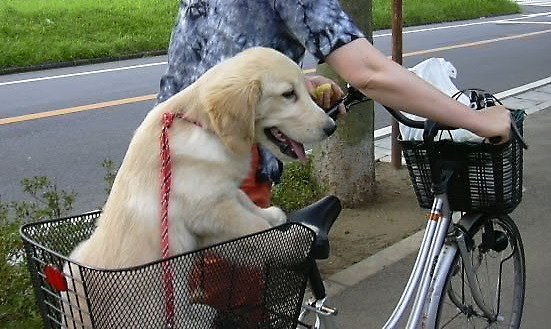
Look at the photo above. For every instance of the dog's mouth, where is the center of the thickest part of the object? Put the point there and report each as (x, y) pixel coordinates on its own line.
(286, 145)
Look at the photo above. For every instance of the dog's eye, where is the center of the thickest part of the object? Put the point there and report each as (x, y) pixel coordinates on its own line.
(290, 94)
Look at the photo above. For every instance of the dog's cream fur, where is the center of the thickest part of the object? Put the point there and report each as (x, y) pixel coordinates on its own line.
(234, 102)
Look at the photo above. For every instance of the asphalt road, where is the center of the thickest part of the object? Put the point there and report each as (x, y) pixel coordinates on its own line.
(495, 54)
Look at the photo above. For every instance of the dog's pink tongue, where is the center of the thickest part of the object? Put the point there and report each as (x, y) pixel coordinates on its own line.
(298, 148)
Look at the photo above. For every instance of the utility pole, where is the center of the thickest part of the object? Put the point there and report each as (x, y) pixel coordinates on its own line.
(397, 23)
(345, 163)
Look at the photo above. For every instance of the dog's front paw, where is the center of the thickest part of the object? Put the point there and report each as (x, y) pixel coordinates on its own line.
(275, 216)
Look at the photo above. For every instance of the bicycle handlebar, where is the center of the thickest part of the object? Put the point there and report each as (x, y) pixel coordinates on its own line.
(354, 97)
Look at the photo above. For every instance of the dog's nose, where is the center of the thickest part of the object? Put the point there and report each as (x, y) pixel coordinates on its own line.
(330, 129)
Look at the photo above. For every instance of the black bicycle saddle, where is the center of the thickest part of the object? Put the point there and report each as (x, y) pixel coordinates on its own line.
(319, 217)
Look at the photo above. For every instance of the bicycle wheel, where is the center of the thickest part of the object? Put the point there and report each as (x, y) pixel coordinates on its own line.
(497, 256)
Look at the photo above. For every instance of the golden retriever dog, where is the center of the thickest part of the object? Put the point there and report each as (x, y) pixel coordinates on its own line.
(258, 96)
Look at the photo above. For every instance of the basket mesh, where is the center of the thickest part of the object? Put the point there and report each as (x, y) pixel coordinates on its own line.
(253, 282)
(488, 178)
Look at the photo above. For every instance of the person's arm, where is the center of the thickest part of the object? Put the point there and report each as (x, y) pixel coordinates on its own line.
(388, 83)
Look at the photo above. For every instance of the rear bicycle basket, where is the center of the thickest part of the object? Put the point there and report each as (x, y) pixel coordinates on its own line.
(488, 178)
(257, 281)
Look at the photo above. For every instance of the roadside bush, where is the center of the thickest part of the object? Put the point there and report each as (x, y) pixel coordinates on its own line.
(18, 308)
(297, 188)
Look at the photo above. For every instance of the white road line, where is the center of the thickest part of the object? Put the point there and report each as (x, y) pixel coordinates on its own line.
(525, 22)
(80, 73)
(382, 132)
(535, 3)
(523, 88)
(528, 16)
(522, 20)
(428, 29)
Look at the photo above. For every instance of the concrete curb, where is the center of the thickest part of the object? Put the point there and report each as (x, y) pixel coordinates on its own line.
(354, 274)
(89, 61)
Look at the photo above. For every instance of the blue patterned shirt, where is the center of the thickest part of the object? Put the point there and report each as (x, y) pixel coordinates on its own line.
(209, 31)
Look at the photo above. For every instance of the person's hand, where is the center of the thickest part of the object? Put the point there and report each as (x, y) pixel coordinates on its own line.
(328, 96)
(494, 121)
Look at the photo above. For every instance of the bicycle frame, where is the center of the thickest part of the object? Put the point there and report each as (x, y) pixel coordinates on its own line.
(440, 244)
(427, 277)
(426, 281)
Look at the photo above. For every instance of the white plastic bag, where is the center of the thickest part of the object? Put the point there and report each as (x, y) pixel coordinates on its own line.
(438, 72)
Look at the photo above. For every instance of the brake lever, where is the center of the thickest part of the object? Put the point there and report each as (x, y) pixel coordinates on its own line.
(519, 136)
(333, 112)
(353, 97)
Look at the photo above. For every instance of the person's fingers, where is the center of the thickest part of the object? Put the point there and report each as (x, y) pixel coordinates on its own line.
(338, 93)
(323, 95)
(327, 99)
(496, 124)
(505, 118)
(311, 87)
(342, 109)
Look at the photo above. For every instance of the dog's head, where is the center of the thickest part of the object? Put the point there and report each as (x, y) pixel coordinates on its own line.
(261, 96)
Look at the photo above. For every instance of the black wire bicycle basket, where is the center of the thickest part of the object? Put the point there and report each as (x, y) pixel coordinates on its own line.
(488, 178)
(250, 282)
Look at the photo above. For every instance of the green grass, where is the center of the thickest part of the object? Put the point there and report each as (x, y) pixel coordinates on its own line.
(36, 32)
(418, 12)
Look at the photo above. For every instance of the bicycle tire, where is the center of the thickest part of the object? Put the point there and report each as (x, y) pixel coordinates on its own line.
(504, 297)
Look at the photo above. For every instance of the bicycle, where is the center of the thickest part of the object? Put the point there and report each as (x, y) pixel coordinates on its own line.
(445, 288)
(265, 289)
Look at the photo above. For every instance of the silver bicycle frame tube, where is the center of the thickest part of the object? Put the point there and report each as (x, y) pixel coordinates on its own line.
(442, 268)
(420, 278)
(445, 260)
(414, 278)
(441, 210)
(427, 279)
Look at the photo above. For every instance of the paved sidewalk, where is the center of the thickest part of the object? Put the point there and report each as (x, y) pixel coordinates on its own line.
(366, 292)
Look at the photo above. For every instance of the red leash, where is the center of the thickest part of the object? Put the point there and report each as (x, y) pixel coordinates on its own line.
(166, 184)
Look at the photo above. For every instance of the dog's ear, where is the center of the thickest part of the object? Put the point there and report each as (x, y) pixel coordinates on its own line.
(231, 109)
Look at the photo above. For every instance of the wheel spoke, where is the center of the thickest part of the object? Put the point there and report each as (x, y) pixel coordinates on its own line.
(499, 278)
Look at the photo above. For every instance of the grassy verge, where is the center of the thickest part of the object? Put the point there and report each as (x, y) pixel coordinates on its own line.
(36, 32)
(418, 12)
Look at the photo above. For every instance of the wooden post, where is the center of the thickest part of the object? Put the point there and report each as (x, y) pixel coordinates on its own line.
(397, 23)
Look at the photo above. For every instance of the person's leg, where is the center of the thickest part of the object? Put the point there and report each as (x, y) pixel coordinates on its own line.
(259, 191)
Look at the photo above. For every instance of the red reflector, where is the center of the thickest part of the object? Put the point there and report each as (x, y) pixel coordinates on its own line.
(55, 278)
